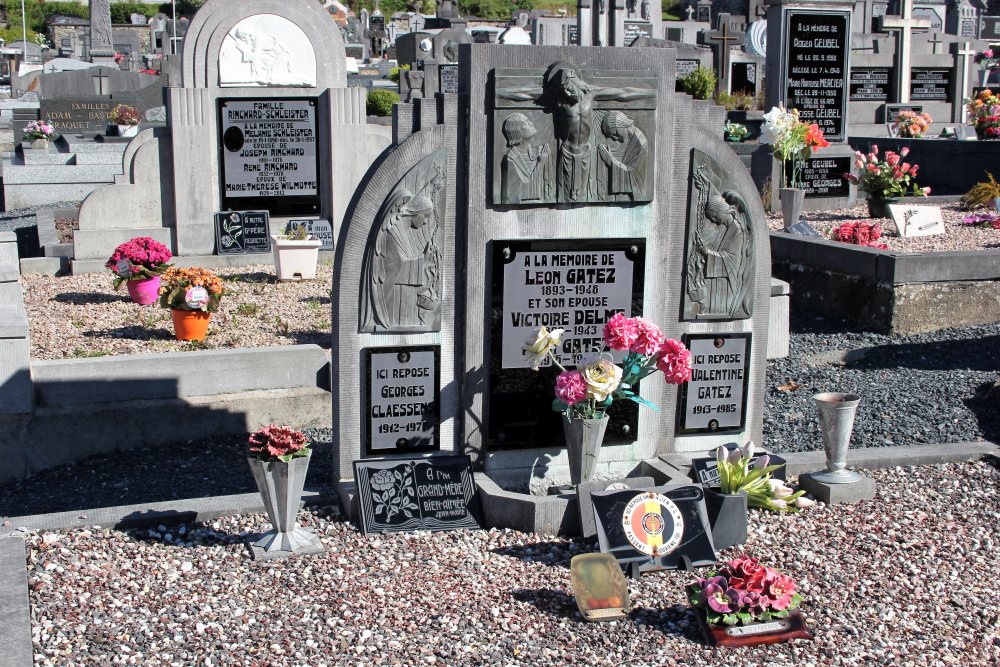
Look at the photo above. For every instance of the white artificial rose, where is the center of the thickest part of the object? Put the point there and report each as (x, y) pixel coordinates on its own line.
(541, 342)
(601, 375)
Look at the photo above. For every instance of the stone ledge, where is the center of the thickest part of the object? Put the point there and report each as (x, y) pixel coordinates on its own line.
(13, 322)
(48, 266)
(15, 612)
(205, 261)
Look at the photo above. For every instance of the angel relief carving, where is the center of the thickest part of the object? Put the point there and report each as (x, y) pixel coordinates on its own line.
(401, 275)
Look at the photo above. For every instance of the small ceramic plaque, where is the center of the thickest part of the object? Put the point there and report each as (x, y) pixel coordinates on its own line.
(917, 220)
(599, 587)
(124, 268)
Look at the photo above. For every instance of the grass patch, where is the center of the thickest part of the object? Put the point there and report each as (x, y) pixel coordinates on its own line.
(248, 309)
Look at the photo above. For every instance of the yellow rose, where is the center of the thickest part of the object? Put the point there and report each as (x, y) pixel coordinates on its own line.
(601, 375)
(541, 342)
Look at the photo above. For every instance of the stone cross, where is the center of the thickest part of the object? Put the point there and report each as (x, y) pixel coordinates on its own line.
(690, 12)
(966, 54)
(101, 80)
(905, 24)
(101, 44)
(720, 39)
(935, 41)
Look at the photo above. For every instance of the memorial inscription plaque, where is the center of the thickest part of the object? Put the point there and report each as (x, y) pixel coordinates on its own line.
(870, 84)
(403, 495)
(269, 154)
(816, 76)
(892, 111)
(239, 232)
(823, 177)
(404, 400)
(714, 399)
(449, 78)
(576, 285)
(636, 29)
(930, 85)
(321, 229)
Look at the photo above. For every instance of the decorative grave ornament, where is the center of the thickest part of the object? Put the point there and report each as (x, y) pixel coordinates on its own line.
(836, 421)
(401, 278)
(266, 50)
(652, 524)
(599, 587)
(917, 220)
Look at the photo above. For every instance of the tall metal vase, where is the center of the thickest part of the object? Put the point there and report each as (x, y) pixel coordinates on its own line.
(836, 421)
(792, 200)
(584, 438)
(280, 484)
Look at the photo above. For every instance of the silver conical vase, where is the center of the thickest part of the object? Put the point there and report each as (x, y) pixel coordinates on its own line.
(584, 438)
(280, 484)
(836, 421)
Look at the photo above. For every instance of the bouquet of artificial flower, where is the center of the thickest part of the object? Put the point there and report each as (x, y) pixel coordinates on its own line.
(860, 232)
(739, 472)
(145, 257)
(888, 177)
(791, 140)
(124, 114)
(984, 110)
(278, 443)
(735, 131)
(190, 289)
(912, 125)
(597, 382)
(985, 220)
(39, 129)
(988, 59)
(743, 591)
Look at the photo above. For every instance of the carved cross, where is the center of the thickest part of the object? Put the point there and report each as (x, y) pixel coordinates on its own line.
(905, 24)
(935, 41)
(101, 82)
(719, 40)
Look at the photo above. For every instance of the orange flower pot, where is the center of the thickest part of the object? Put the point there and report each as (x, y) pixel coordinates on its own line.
(190, 324)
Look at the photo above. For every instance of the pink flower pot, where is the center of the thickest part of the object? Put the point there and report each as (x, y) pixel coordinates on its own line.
(144, 292)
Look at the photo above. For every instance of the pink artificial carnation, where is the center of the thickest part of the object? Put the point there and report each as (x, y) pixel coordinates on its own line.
(674, 361)
(571, 387)
(274, 441)
(650, 338)
(620, 332)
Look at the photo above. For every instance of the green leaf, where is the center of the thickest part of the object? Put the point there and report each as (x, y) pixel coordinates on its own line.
(729, 619)
(606, 403)
(744, 617)
(779, 614)
(559, 406)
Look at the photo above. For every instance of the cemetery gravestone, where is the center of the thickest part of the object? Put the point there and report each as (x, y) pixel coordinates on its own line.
(870, 84)
(917, 220)
(816, 74)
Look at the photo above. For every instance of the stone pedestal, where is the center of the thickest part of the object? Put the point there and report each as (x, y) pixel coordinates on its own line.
(836, 494)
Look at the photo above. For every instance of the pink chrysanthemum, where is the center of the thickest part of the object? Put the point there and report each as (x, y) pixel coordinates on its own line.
(620, 332)
(571, 387)
(674, 361)
(649, 339)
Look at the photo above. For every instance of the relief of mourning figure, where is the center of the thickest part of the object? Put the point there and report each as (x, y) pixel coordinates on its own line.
(570, 100)
(523, 167)
(720, 269)
(401, 278)
(624, 157)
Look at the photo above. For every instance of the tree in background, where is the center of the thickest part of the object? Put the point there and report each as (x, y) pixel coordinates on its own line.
(184, 7)
(122, 10)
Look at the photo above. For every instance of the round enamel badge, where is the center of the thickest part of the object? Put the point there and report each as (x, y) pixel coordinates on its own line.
(653, 524)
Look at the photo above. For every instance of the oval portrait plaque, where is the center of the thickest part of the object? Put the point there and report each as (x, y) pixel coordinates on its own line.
(653, 524)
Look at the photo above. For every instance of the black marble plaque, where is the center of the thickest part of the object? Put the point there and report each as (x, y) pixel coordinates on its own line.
(268, 154)
(989, 27)
(403, 407)
(743, 78)
(714, 399)
(706, 470)
(892, 110)
(636, 29)
(930, 85)
(816, 78)
(696, 541)
(571, 35)
(404, 495)
(241, 232)
(823, 176)
(870, 84)
(575, 285)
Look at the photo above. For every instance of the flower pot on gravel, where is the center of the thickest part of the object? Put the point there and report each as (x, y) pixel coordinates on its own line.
(190, 324)
(878, 207)
(127, 130)
(144, 291)
(39, 144)
(584, 438)
(296, 259)
(727, 515)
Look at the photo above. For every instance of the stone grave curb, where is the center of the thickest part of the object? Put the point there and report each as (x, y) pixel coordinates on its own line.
(15, 612)
(204, 261)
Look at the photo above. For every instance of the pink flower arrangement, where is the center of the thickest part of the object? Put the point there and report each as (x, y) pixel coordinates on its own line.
(985, 220)
(147, 257)
(278, 443)
(885, 177)
(597, 381)
(743, 591)
(860, 232)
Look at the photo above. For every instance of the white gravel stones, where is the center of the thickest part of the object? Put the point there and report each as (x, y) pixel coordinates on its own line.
(906, 579)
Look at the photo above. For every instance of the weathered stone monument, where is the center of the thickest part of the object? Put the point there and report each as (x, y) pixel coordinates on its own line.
(102, 48)
(261, 119)
(578, 186)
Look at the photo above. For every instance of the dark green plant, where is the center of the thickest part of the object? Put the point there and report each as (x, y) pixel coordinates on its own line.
(122, 10)
(394, 73)
(739, 101)
(380, 102)
(700, 83)
(184, 7)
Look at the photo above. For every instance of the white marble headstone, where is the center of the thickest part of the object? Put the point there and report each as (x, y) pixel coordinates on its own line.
(266, 50)
(917, 220)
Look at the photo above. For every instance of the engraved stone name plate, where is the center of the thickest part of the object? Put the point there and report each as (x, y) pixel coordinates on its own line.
(714, 400)
(404, 401)
(917, 220)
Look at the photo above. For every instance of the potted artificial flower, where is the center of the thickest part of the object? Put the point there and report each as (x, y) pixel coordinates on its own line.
(296, 253)
(989, 61)
(984, 112)
(912, 125)
(139, 263)
(126, 119)
(885, 180)
(744, 603)
(735, 132)
(279, 459)
(792, 141)
(192, 295)
(38, 133)
(584, 395)
(745, 482)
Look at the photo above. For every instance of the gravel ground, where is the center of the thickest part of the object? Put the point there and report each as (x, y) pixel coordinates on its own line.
(83, 316)
(956, 237)
(903, 579)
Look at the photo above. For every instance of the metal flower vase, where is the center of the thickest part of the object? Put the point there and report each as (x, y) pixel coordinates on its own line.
(280, 484)
(584, 438)
(792, 200)
(836, 421)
